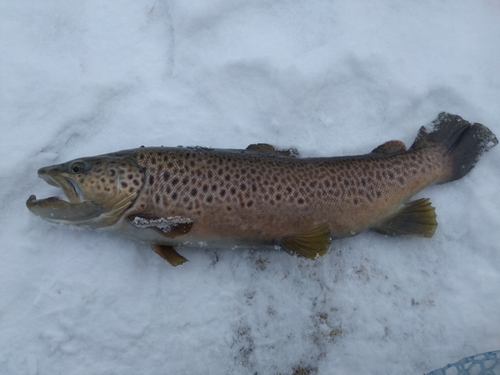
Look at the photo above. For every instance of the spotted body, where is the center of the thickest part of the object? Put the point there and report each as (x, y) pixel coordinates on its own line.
(176, 196)
(262, 197)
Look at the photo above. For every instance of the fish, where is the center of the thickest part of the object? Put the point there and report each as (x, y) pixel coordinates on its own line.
(175, 197)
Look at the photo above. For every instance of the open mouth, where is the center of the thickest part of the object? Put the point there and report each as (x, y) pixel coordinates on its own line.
(69, 187)
(75, 209)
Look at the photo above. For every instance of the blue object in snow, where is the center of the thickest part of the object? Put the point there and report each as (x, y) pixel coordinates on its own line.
(480, 364)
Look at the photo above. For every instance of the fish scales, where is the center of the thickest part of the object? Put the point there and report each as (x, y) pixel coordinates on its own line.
(266, 197)
(172, 197)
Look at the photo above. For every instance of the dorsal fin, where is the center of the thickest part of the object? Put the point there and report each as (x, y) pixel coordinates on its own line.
(169, 254)
(266, 148)
(169, 227)
(390, 147)
(311, 244)
(416, 218)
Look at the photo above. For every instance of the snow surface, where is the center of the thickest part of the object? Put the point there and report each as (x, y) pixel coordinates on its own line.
(86, 77)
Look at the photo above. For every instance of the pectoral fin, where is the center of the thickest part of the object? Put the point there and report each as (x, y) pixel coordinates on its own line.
(269, 149)
(169, 254)
(390, 147)
(311, 244)
(169, 227)
(416, 218)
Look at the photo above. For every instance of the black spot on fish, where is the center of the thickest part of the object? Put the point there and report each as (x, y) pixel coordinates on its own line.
(174, 196)
(194, 192)
(157, 198)
(175, 181)
(300, 201)
(124, 184)
(151, 180)
(166, 176)
(112, 172)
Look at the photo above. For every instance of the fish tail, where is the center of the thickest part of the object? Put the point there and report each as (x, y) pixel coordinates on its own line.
(462, 143)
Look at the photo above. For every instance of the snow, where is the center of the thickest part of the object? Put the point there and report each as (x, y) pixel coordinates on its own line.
(165, 224)
(83, 78)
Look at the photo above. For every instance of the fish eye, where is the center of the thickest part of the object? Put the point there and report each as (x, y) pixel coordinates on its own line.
(77, 167)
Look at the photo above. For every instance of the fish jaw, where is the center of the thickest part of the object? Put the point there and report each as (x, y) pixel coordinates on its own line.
(73, 211)
(70, 188)
(97, 190)
(59, 211)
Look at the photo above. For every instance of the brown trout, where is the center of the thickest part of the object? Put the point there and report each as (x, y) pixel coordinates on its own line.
(171, 197)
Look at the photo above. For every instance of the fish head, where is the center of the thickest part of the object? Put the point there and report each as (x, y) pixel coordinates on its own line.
(97, 190)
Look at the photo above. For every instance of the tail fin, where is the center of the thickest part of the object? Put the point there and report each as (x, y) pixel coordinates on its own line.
(462, 142)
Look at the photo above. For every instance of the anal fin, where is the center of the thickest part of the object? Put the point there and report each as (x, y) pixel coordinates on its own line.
(311, 244)
(415, 218)
(169, 254)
